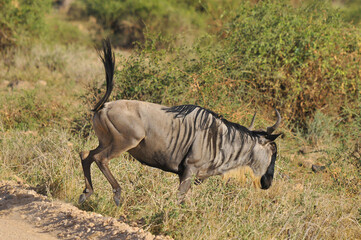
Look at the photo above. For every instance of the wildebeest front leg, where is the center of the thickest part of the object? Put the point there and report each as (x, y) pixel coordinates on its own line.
(185, 181)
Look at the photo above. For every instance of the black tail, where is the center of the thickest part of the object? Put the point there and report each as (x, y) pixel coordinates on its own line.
(108, 61)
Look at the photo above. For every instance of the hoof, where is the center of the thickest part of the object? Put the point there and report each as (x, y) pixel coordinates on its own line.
(116, 197)
(117, 201)
(86, 194)
(82, 198)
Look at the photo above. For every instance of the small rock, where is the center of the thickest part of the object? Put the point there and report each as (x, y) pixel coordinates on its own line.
(31, 192)
(148, 236)
(41, 82)
(94, 235)
(37, 219)
(318, 168)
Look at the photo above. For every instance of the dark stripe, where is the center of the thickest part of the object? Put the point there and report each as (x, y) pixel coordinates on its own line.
(239, 151)
(214, 131)
(175, 146)
(220, 137)
(171, 133)
(188, 136)
(184, 128)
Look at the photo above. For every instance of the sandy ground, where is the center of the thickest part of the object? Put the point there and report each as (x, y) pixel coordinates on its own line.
(24, 214)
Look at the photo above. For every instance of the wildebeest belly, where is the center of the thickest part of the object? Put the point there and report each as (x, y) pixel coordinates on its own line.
(149, 154)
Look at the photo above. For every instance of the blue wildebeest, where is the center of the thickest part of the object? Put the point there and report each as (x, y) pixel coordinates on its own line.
(188, 140)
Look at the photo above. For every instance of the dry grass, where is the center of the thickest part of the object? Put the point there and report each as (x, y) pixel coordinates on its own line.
(300, 204)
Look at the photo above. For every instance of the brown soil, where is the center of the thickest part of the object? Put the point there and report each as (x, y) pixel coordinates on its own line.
(25, 214)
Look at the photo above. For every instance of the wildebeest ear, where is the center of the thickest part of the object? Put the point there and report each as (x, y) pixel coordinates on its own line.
(272, 137)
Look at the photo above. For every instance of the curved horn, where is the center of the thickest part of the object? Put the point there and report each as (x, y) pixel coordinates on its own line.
(271, 129)
(252, 122)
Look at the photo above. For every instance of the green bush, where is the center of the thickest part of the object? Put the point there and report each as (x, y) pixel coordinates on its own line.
(128, 19)
(20, 19)
(352, 11)
(298, 59)
(301, 59)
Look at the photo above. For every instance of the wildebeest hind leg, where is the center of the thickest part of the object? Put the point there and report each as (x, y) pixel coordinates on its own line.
(86, 161)
(103, 166)
(102, 159)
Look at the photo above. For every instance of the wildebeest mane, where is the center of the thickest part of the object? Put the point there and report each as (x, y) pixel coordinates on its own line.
(182, 111)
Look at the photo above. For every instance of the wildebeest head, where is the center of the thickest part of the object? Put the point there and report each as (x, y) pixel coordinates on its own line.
(264, 153)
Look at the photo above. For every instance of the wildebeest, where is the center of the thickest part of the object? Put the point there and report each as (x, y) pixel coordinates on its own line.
(187, 140)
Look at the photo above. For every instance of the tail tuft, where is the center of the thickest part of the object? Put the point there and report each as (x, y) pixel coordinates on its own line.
(108, 60)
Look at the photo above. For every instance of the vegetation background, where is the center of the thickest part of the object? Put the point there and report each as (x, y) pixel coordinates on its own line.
(234, 57)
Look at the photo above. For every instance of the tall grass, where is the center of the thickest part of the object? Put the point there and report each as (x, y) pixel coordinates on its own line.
(44, 126)
(300, 204)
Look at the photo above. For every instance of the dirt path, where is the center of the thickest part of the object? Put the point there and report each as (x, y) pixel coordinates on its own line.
(24, 214)
(14, 226)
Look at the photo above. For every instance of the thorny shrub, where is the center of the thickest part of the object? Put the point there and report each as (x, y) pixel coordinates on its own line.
(298, 59)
